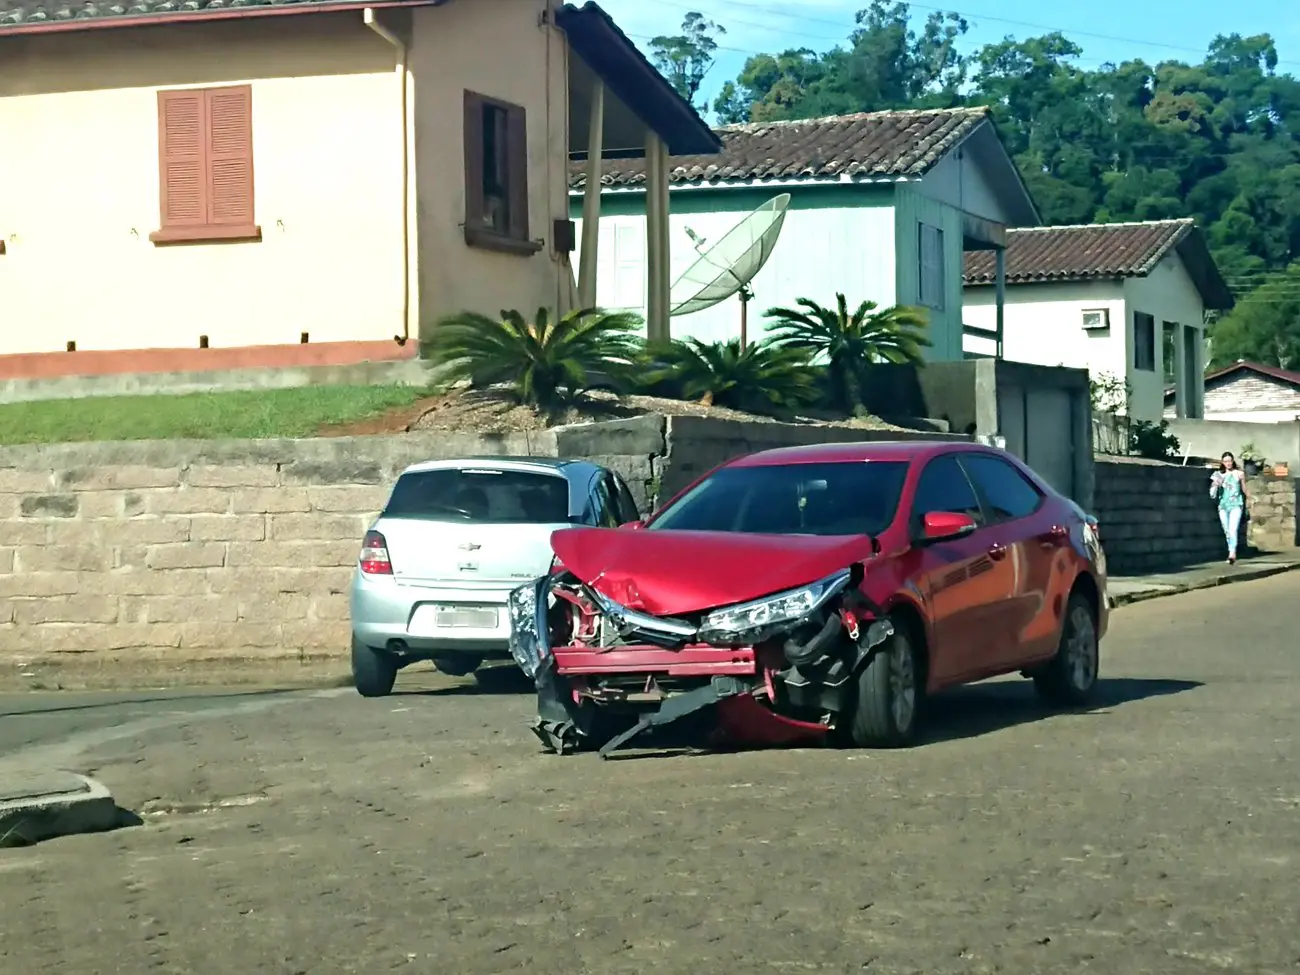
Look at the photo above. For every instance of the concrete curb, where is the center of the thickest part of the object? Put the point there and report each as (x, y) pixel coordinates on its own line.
(42, 806)
(1209, 582)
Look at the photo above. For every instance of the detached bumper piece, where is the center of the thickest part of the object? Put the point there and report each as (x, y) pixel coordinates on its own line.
(678, 707)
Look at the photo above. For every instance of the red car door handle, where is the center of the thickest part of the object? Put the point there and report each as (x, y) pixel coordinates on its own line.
(997, 552)
(1055, 535)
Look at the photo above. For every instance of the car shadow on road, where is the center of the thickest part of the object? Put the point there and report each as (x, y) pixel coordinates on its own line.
(965, 712)
(126, 699)
(979, 709)
(487, 681)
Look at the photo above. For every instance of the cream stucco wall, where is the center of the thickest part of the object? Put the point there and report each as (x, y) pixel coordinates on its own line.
(500, 49)
(1168, 295)
(79, 188)
(1043, 324)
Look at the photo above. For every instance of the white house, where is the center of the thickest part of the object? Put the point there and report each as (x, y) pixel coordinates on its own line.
(1126, 300)
(1248, 392)
(883, 204)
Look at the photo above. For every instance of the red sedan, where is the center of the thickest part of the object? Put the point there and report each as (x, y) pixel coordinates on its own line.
(815, 593)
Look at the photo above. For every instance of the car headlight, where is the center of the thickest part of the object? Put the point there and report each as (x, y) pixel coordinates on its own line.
(749, 620)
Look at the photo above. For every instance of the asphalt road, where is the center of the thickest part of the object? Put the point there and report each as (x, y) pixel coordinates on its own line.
(317, 832)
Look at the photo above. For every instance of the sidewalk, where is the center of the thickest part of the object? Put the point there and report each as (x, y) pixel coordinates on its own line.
(1133, 589)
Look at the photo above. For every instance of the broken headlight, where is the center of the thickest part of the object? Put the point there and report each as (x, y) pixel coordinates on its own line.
(528, 631)
(750, 621)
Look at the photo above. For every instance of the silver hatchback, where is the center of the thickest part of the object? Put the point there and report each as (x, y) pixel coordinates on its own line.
(455, 537)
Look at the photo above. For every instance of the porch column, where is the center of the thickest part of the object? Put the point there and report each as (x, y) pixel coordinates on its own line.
(591, 199)
(1182, 381)
(665, 246)
(1000, 295)
(657, 283)
(1197, 384)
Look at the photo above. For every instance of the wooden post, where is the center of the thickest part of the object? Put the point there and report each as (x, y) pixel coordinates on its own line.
(656, 313)
(587, 263)
(1000, 297)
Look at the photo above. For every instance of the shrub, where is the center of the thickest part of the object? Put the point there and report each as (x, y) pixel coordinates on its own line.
(545, 363)
(849, 342)
(761, 378)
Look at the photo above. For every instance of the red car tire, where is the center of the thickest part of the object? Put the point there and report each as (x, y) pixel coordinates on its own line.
(889, 692)
(1070, 678)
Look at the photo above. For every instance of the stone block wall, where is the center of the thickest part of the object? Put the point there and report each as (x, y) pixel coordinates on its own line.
(211, 552)
(1271, 506)
(1158, 517)
(190, 551)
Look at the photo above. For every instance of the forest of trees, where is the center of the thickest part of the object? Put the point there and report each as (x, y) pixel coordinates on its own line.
(1218, 140)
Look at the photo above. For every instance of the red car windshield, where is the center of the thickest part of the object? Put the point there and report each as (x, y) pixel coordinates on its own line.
(853, 498)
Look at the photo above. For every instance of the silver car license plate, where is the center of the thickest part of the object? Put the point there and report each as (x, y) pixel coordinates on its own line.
(466, 617)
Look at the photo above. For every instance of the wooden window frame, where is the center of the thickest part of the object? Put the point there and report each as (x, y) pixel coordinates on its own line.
(515, 239)
(210, 228)
(1152, 355)
(931, 271)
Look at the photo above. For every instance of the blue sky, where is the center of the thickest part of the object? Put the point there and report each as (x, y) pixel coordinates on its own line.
(1107, 30)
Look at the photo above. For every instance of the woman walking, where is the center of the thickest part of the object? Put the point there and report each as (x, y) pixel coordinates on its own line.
(1228, 484)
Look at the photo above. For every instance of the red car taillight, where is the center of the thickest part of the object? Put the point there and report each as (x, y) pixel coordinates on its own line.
(374, 555)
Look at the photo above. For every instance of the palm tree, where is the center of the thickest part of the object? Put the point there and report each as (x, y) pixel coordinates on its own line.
(760, 378)
(546, 363)
(850, 342)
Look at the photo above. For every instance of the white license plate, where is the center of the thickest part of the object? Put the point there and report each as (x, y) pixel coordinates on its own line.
(465, 617)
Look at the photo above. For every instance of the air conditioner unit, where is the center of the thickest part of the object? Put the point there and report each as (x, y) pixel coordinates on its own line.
(1096, 320)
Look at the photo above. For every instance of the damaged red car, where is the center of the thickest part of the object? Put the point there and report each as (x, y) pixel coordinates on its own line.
(814, 594)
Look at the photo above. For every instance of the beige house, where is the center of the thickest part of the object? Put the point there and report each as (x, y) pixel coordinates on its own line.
(180, 177)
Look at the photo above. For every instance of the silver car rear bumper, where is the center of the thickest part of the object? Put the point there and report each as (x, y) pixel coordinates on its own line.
(400, 617)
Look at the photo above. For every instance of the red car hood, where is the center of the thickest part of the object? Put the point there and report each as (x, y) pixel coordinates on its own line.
(668, 573)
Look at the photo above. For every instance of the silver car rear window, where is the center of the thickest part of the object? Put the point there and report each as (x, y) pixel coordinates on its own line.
(480, 496)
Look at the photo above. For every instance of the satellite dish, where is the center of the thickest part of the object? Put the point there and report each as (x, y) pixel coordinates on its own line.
(729, 265)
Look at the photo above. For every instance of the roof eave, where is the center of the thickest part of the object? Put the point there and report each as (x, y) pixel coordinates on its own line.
(200, 16)
(595, 38)
(783, 183)
(1017, 181)
(1204, 272)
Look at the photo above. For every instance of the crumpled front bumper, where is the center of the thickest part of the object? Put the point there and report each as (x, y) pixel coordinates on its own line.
(726, 708)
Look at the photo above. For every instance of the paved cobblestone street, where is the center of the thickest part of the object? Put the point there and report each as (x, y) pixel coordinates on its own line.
(317, 832)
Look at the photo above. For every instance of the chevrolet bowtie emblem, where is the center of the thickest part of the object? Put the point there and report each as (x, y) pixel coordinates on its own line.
(470, 547)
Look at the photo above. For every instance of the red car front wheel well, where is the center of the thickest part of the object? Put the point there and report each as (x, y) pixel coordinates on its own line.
(907, 616)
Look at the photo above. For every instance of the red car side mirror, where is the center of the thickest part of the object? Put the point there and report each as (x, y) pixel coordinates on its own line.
(942, 526)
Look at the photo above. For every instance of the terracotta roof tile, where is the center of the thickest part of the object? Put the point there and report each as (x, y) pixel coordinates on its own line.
(1273, 372)
(868, 144)
(1079, 253)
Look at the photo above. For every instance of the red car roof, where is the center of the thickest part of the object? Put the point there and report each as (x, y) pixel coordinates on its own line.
(848, 453)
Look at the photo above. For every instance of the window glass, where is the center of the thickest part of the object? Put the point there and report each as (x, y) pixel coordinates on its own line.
(1144, 341)
(943, 487)
(480, 495)
(851, 498)
(603, 505)
(1005, 489)
(627, 509)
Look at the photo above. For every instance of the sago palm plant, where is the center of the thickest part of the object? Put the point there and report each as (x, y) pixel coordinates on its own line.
(760, 378)
(849, 341)
(546, 363)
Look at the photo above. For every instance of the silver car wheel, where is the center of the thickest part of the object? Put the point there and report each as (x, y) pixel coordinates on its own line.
(902, 686)
(1081, 649)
